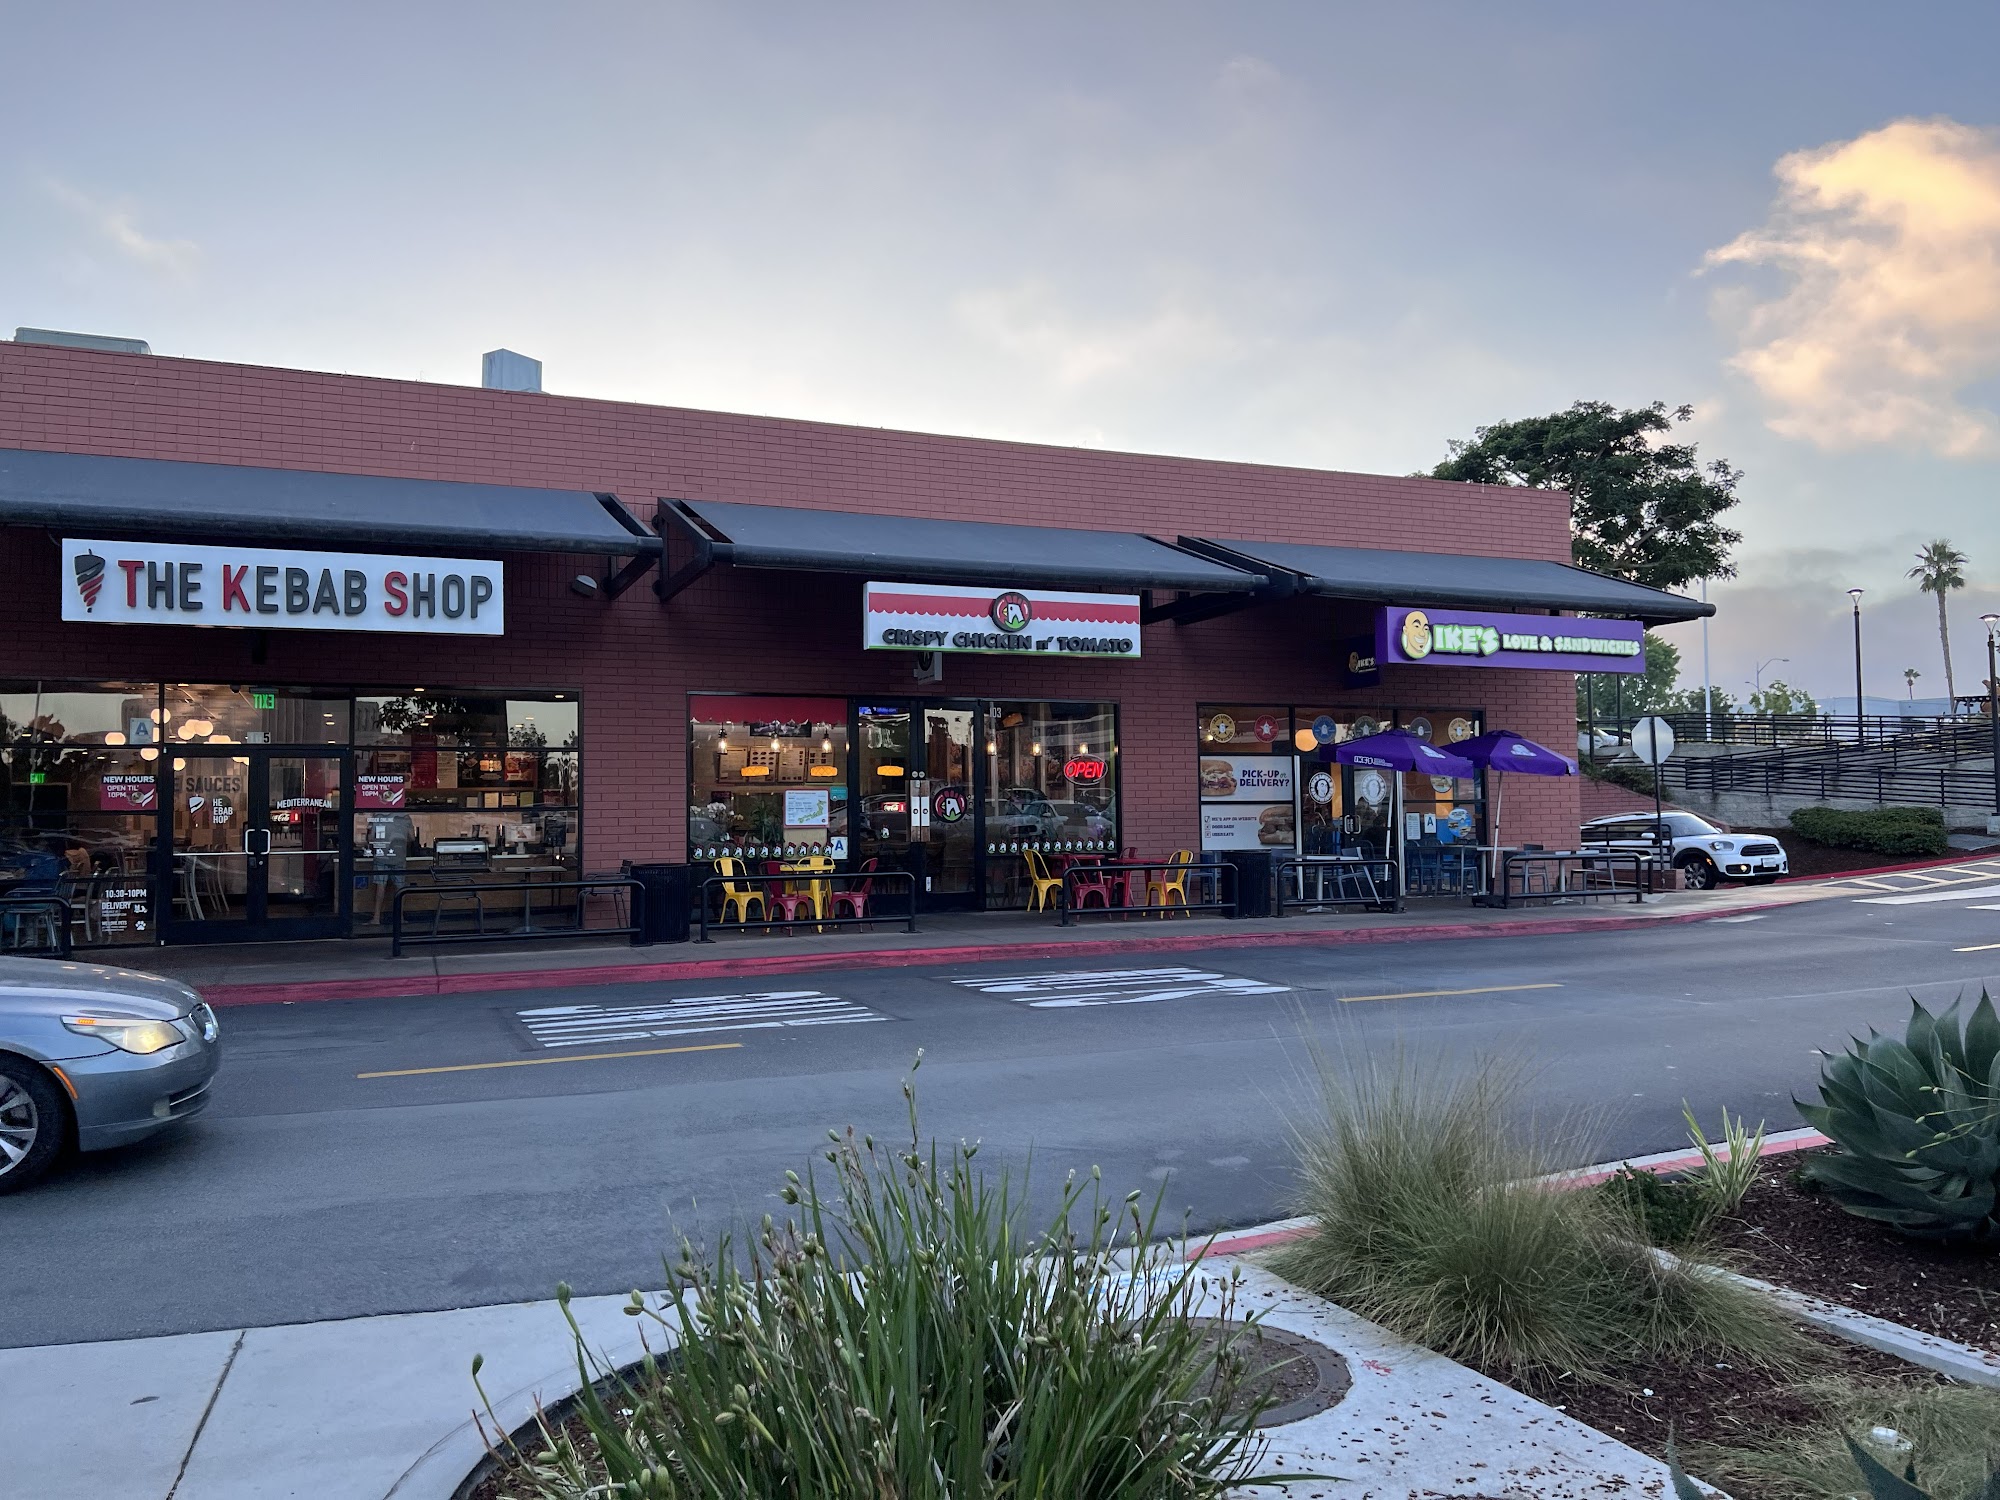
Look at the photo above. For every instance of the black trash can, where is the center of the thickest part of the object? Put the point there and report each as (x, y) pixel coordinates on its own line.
(662, 907)
(1253, 882)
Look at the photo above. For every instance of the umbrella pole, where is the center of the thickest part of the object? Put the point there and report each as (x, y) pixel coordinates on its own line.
(1493, 864)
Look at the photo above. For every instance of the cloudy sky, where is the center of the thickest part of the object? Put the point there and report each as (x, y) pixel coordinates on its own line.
(1322, 234)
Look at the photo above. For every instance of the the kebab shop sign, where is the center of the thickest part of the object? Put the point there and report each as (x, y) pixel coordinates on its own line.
(141, 583)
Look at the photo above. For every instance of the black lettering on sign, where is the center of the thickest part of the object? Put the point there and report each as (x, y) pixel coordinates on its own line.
(159, 585)
(267, 591)
(298, 591)
(326, 598)
(423, 595)
(191, 588)
(357, 591)
(454, 596)
(482, 591)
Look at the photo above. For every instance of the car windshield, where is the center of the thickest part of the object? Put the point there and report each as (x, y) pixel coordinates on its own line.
(1688, 826)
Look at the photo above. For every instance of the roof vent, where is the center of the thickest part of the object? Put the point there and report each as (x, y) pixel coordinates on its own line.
(102, 343)
(504, 370)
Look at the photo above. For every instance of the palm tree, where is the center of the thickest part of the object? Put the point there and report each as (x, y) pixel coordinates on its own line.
(1910, 675)
(1941, 568)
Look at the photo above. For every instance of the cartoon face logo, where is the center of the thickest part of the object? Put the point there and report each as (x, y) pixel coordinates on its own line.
(1416, 635)
(1011, 612)
(89, 579)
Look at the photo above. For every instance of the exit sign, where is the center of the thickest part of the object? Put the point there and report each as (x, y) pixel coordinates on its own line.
(263, 700)
(38, 778)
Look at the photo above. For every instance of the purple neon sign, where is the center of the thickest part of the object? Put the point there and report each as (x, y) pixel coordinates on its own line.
(1408, 636)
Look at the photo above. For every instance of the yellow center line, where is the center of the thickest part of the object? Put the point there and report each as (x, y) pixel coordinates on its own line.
(535, 1062)
(1489, 989)
(1977, 948)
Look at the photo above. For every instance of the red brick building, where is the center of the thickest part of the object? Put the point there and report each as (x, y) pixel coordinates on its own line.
(580, 734)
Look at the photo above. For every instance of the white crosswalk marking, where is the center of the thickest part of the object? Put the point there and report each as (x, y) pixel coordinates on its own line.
(1072, 988)
(590, 1025)
(1954, 893)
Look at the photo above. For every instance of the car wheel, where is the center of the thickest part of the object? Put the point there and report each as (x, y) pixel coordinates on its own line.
(34, 1124)
(1699, 875)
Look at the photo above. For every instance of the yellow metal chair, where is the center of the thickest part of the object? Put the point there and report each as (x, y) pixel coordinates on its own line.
(1164, 887)
(1043, 897)
(739, 897)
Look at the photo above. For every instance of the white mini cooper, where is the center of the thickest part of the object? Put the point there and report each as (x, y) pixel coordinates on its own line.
(1704, 854)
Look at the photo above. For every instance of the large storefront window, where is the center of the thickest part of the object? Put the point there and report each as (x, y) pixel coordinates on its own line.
(1267, 779)
(216, 805)
(768, 776)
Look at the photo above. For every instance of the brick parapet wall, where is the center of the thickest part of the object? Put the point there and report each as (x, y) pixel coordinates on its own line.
(635, 662)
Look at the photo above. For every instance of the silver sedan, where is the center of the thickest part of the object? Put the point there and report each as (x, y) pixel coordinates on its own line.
(94, 1057)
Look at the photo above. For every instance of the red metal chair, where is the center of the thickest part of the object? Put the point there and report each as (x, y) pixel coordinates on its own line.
(855, 898)
(1087, 881)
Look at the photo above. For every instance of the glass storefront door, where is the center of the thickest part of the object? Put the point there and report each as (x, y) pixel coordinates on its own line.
(257, 848)
(944, 806)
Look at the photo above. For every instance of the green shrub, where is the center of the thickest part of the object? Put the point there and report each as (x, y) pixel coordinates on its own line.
(1726, 1177)
(1881, 830)
(1917, 1125)
(906, 1338)
(1629, 774)
(1952, 1433)
(1673, 1214)
(1431, 1221)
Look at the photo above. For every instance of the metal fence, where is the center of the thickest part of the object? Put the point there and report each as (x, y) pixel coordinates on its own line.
(458, 902)
(36, 926)
(1370, 882)
(1082, 882)
(753, 888)
(1571, 875)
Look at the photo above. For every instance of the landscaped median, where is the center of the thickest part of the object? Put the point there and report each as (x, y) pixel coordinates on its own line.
(1454, 1316)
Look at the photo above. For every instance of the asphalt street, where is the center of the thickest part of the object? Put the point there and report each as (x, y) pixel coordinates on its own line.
(416, 1154)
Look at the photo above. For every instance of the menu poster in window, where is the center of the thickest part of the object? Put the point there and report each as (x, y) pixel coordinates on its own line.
(129, 794)
(806, 809)
(1270, 829)
(1246, 778)
(520, 766)
(380, 791)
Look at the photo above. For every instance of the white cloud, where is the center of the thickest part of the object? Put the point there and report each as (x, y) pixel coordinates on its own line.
(115, 223)
(1888, 246)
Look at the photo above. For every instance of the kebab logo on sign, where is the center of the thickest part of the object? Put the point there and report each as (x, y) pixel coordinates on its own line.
(1012, 612)
(260, 588)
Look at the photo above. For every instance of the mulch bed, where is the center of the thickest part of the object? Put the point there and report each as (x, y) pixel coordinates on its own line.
(1697, 1403)
(1805, 860)
(1806, 1241)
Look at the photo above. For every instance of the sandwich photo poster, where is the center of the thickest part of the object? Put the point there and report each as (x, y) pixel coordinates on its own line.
(1246, 802)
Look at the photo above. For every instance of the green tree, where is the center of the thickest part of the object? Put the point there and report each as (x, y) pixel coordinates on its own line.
(1910, 676)
(1604, 694)
(1940, 569)
(1641, 508)
(1779, 697)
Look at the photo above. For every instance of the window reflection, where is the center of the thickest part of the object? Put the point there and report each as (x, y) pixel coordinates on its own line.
(768, 777)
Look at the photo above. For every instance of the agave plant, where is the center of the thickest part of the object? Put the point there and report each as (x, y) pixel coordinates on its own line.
(1917, 1122)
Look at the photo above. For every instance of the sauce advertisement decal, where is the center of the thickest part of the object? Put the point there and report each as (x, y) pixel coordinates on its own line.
(1483, 638)
(999, 622)
(266, 588)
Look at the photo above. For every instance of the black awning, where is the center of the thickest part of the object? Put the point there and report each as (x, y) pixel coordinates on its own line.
(147, 497)
(1453, 580)
(918, 549)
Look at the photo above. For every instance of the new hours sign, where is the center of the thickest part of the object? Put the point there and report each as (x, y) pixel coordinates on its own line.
(145, 583)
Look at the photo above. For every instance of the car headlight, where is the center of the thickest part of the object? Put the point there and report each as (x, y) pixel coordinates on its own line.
(202, 1019)
(1721, 844)
(127, 1034)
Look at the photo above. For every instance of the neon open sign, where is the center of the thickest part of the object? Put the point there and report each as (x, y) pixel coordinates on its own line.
(1084, 770)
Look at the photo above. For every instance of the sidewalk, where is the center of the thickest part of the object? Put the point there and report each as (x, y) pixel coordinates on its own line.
(379, 1409)
(362, 969)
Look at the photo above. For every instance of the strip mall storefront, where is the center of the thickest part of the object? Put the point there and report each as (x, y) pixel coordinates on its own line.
(257, 676)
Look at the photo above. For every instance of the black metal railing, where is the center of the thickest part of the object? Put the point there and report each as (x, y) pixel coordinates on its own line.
(1802, 731)
(1371, 882)
(36, 926)
(523, 926)
(1575, 875)
(753, 888)
(1087, 890)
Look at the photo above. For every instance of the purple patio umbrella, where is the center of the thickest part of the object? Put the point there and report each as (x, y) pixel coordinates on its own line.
(1504, 750)
(1400, 750)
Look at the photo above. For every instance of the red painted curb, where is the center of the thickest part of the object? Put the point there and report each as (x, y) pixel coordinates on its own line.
(1921, 864)
(311, 990)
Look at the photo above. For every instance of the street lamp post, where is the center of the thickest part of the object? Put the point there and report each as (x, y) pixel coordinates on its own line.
(1757, 678)
(1860, 731)
(1992, 624)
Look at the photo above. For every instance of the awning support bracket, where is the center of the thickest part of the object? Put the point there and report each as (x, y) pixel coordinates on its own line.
(669, 584)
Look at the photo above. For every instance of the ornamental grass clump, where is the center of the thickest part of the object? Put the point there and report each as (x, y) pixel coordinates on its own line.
(1434, 1219)
(1916, 1124)
(904, 1339)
